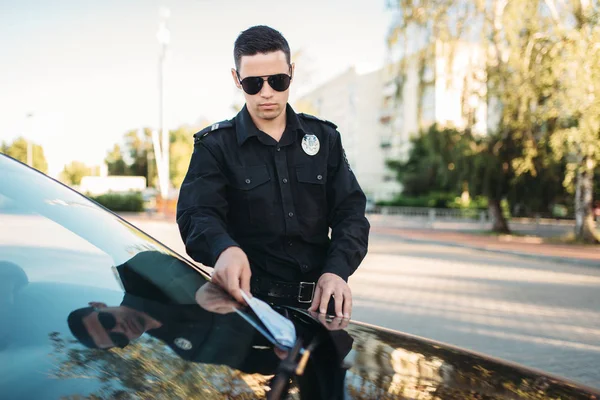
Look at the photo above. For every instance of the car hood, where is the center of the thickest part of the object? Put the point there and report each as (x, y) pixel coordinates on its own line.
(198, 353)
(389, 364)
(60, 253)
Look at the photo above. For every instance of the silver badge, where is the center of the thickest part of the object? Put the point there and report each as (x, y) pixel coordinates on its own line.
(183, 344)
(310, 144)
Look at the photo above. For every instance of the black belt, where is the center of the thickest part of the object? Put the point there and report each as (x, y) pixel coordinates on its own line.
(302, 292)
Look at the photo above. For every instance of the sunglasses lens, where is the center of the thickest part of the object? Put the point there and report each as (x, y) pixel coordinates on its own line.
(279, 82)
(119, 339)
(252, 84)
(107, 320)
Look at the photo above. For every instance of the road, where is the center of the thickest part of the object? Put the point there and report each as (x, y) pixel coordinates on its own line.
(539, 314)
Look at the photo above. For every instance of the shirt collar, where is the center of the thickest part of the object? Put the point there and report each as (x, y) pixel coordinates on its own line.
(245, 127)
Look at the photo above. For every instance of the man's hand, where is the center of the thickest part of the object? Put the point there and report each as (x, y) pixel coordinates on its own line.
(330, 284)
(214, 299)
(232, 273)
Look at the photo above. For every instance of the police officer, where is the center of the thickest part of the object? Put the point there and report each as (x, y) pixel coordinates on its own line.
(264, 188)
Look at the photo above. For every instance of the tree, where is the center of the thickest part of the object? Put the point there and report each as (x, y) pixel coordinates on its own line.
(438, 161)
(436, 28)
(576, 52)
(18, 150)
(72, 173)
(542, 75)
(180, 151)
(146, 369)
(115, 163)
(137, 156)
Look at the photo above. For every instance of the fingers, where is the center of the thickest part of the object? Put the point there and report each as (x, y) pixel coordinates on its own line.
(231, 284)
(325, 296)
(316, 298)
(332, 323)
(339, 300)
(245, 280)
(347, 304)
(233, 288)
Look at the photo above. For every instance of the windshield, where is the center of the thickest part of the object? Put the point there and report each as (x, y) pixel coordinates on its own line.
(91, 296)
(45, 216)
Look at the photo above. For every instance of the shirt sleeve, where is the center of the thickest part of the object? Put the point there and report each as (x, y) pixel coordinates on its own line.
(346, 215)
(202, 208)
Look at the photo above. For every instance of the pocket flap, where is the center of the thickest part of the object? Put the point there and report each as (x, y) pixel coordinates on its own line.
(310, 174)
(248, 178)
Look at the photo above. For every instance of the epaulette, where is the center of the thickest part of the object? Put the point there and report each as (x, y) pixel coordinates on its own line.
(209, 129)
(308, 116)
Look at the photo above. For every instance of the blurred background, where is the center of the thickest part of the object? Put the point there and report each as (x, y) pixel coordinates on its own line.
(485, 112)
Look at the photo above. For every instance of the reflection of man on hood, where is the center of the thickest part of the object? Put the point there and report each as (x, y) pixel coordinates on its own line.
(160, 277)
(160, 300)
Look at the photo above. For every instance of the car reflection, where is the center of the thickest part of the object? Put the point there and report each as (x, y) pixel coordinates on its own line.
(166, 302)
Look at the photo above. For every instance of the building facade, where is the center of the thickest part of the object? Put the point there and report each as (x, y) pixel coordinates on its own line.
(352, 101)
(377, 113)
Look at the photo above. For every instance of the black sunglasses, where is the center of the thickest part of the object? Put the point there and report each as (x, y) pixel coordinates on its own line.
(253, 84)
(108, 322)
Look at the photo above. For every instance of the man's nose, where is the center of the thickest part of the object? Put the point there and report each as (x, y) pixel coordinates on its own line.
(266, 91)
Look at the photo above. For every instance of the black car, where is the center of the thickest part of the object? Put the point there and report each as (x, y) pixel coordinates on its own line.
(91, 307)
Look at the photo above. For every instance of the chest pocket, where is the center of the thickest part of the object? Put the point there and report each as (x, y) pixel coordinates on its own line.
(311, 191)
(249, 178)
(253, 199)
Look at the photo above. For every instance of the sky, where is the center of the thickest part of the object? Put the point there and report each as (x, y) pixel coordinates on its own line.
(87, 70)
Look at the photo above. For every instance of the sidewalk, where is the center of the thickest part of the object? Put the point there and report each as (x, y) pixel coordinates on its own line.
(521, 246)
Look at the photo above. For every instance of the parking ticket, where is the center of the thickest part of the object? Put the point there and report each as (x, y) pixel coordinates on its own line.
(281, 328)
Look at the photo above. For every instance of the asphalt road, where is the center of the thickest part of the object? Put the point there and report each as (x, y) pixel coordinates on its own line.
(538, 314)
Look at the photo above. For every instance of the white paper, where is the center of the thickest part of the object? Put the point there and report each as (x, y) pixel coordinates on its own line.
(281, 328)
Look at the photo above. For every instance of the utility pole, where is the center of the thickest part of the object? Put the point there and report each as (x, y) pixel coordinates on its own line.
(161, 150)
(29, 139)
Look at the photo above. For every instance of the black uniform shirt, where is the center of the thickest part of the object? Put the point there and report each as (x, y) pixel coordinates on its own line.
(273, 199)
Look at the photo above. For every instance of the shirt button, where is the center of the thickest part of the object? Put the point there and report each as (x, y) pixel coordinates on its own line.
(248, 181)
(304, 266)
(290, 244)
(279, 149)
(284, 180)
(319, 177)
(290, 214)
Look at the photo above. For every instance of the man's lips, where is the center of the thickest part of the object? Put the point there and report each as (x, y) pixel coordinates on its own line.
(267, 105)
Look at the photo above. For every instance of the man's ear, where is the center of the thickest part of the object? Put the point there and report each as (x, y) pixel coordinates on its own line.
(293, 70)
(235, 78)
(97, 304)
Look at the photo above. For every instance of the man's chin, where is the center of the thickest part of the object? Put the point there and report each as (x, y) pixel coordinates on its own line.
(269, 114)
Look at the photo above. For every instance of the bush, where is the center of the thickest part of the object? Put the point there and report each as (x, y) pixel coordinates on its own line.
(432, 200)
(476, 203)
(119, 202)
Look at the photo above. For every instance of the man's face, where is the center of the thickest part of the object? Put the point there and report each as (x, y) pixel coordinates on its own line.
(112, 326)
(267, 104)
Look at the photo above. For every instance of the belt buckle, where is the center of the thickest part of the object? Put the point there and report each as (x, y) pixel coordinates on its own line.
(300, 292)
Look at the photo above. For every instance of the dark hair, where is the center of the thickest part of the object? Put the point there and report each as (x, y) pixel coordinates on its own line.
(259, 39)
(75, 321)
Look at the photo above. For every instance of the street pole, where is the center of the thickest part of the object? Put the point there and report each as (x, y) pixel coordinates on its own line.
(162, 153)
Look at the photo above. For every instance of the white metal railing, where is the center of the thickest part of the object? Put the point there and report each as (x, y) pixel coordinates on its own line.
(462, 215)
(433, 214)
